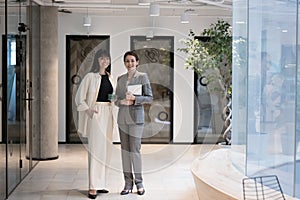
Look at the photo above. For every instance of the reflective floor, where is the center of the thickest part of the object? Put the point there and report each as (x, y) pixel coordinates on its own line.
(166, 168)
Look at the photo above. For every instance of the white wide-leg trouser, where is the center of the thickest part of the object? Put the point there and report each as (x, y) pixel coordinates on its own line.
(100, 144)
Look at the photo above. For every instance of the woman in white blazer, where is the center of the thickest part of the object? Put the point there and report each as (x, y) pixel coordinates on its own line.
(95, 119)
(133, 91)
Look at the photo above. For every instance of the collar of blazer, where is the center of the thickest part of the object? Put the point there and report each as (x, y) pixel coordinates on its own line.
(135, 74)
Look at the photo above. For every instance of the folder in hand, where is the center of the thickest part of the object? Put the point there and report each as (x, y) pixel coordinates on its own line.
(135, 89)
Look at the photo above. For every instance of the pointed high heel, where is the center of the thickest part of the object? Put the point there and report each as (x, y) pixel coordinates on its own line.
(141, 191)
(102, 191)
(125, 192)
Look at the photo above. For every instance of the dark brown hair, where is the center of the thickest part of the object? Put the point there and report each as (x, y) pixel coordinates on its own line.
(98, 54)
(131, 53)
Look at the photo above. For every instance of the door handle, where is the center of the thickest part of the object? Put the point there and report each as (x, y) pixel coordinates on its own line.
(28, 99)
(11, 147)
(29, 103)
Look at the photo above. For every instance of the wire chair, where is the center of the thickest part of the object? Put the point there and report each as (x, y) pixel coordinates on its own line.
(262, 187)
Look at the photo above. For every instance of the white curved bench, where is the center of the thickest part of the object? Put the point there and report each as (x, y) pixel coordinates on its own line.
(216, 178)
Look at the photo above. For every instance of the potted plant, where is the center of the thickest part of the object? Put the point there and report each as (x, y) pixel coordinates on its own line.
(212, 59)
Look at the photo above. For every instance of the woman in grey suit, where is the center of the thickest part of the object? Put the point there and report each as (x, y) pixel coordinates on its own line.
(133, 90)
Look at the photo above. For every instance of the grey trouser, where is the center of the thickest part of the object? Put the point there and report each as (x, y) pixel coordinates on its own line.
(130, 136)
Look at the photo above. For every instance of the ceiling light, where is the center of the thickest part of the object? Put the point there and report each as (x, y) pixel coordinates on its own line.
(154, 10)
(149, 35)
(184, 19)
(87, 21)
(144, 2)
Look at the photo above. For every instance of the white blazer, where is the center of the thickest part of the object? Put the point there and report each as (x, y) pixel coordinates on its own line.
(85, 98)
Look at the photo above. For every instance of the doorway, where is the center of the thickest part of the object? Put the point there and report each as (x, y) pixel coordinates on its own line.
(80, 53)
(157, 60)
(16, 160)
(15, 118)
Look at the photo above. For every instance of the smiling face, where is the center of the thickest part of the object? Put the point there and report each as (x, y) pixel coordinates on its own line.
(101, 62)
(130, 62)
(104, 62)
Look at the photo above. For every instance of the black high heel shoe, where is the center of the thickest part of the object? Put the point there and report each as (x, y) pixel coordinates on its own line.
(124, 192)
(103, 191)
(92, 196)
(141, 191)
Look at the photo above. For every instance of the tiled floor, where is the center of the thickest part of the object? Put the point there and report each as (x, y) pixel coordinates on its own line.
(167, 174)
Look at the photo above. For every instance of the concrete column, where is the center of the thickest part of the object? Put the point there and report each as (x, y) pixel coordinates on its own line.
(44, 73)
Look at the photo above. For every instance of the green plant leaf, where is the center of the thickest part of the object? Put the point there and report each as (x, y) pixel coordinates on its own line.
(213, 54)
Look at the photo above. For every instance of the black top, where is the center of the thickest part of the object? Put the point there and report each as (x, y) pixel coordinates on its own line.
(105, 89)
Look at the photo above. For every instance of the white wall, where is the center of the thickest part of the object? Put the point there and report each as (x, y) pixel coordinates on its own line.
(120, 29)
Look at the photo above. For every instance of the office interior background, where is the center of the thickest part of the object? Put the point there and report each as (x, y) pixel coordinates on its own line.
(46, 49)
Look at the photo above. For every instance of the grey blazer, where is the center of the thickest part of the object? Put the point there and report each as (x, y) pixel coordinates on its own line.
(133, 114)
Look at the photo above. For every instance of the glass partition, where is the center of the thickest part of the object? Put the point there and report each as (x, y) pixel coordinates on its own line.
(17, 166)
(15, 163)
(269, 111)
(32, 62)
(240, 86)
(2, 141)
(297, 136)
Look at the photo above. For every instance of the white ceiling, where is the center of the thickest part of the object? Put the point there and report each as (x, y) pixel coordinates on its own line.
(222, 8)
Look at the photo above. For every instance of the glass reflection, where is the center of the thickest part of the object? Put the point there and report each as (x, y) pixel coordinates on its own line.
(270, 107)
(17, 164)
(2, 141)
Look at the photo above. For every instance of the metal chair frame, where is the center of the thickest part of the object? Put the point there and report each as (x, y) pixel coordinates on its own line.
(262, 187)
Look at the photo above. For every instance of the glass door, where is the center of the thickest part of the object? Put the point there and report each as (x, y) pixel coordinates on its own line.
(17, 164)
(2, 141)
(13, 118)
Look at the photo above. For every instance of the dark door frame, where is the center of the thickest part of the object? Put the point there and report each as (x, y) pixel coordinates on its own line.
(76, 78)
(171, 83)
